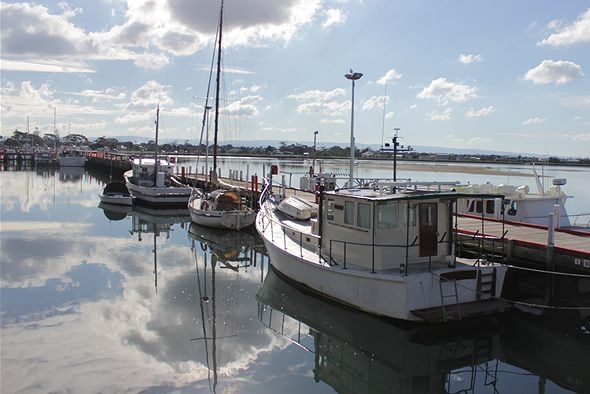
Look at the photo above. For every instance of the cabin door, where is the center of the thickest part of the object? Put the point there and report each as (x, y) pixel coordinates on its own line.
(428, 226)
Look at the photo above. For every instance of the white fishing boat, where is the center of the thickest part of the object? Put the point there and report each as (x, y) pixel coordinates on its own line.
(116, 193)
(71, 157)
(519, 204)
(223, 207)
(152, 180)
(388, 251)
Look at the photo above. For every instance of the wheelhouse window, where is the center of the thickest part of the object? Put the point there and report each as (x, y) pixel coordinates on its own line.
(479, 206)
(387, 215)
(410, 215)
(513, 208)
(490, 206)
(427, 215)
(363, 215)
(330, 211)
(349, 212)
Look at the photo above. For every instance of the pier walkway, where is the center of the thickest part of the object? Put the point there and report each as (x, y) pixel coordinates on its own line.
(570, 248)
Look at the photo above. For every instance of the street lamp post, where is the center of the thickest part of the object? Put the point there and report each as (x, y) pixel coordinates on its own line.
(353, 77)
(315, 134)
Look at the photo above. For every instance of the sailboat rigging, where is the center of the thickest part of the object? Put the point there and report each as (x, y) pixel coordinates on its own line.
(222, 208)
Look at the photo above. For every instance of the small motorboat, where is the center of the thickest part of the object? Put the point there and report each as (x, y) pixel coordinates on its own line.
(116, 193)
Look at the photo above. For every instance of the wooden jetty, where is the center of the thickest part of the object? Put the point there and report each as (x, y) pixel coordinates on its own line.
(566, 249)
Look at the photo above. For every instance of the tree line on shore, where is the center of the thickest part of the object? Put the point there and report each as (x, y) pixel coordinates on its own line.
(24, 140)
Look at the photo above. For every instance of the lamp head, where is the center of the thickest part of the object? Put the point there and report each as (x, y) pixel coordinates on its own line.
(353, 76)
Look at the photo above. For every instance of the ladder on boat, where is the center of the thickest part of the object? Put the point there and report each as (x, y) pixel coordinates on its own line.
(450, 310)
(486, 284)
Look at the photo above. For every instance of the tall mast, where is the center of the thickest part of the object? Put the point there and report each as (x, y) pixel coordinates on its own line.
(156, 148)
(54, 131)
(217, 90)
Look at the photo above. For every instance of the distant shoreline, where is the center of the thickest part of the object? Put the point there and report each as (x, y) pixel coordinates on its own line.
(405, 159)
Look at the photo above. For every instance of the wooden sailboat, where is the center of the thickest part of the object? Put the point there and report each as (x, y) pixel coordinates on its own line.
(221, 208)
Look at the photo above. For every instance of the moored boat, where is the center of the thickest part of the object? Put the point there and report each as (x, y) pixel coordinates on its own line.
(71, 157)
(223, 209)
(116, 193)
(518, 204)
(388, 251)
(152, 180)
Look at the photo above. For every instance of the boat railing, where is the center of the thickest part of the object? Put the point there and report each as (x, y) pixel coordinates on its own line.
(580, 220)
(404, 267)
(287, 232)
(340, 250)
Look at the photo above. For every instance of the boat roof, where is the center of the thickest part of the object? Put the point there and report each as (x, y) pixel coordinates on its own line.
(150, 161)
(381, 195)
(116, 187)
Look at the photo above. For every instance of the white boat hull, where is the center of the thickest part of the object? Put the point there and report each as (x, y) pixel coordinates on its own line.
(167, 195)
(230, 220)
(116, 199)
(383, 293)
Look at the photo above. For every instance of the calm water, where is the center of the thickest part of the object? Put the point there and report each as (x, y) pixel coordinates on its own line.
(140, 301)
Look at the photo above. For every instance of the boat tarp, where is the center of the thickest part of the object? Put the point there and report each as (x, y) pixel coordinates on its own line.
(116, 187)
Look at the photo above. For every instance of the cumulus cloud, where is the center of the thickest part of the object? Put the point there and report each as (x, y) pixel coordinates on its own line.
(468, 59)
(390, 76)
(576, 32)
(443, 91)
(29, 29)
(334, 17)
(143, 101)
(375, 102)
(557, 72)
(479, 113)
(152, 31)
(255, 22)
(245, 107)
(329, 105)
(389, 115)
(533, 121)
(151, 61)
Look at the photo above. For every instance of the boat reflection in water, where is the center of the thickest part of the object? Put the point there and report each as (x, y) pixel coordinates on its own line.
(554, 348)
(115, 212)
(71, 174)
(357, 353)
(360, 353)
(157, 222)
(233, 253)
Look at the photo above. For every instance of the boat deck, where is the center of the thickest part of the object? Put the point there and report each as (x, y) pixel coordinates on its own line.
(462, 310)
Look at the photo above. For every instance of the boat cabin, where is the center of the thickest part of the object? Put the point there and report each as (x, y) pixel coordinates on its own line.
(143, 171)
(382, 230)
(516, 205)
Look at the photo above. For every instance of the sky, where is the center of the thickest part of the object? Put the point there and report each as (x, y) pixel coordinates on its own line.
(506, 75)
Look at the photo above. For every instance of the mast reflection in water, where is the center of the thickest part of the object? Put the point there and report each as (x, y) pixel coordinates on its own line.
(224, 250)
